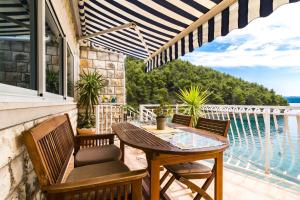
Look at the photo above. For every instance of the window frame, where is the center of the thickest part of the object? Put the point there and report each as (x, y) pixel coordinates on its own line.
(10, 93)
(66, 69)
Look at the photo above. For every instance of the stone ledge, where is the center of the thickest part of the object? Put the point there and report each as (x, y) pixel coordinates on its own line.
(12, 117)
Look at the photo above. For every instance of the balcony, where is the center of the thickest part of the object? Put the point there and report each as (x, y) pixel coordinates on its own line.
(46, 44)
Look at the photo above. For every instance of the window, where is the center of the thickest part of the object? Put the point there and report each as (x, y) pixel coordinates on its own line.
(70, 70)
(54, 55)
(17, 43)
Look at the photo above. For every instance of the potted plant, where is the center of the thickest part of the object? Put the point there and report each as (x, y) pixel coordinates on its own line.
(194, 98)
(162, 112)
(88, 87)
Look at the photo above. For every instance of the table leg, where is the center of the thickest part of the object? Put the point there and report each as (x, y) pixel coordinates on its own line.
(122, 150)
(219, 177)
(154, 171)
(154, 180)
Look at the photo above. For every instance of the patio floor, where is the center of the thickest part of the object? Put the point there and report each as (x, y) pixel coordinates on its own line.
(237, 185)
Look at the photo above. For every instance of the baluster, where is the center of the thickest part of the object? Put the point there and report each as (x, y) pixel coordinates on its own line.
(97, 119)
(102, 117)
(267, 121)
(298, 124)
(243, 128)
(237, 128)
(105, 115)
(259, 135)
(141, 113)
(111, 118)
(287, 133)
(231, 129)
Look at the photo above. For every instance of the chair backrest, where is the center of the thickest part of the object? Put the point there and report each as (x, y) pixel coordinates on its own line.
(182, 119)
(50, 146)
(219, 127)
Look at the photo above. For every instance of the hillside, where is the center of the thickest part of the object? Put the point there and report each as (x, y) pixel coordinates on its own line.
(162, 84)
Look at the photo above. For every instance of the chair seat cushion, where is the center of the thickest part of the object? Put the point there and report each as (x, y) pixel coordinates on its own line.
(96, 170)
(189, 170)
(95, 155)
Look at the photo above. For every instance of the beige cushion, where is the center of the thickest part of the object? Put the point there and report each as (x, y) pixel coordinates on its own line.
(95, 155)
(189, 170)
(96, 170)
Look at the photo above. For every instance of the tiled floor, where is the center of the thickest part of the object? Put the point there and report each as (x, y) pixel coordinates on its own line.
(237, 185)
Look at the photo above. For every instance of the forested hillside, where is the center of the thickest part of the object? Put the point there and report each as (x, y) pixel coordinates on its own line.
(162, 84)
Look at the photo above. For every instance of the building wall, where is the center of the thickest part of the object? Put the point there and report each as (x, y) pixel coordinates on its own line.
(111, 66)
(22, 112)
(18, 180)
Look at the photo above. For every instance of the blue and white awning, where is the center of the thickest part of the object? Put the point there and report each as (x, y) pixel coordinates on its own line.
(167, 29)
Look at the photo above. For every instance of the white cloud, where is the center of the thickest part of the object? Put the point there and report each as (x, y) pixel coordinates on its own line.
(273, 41)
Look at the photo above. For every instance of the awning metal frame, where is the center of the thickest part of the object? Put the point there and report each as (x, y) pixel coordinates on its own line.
(116, 28)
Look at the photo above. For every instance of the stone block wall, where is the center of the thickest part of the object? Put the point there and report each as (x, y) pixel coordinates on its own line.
(15, 62)
(111, 66)
(18, 180)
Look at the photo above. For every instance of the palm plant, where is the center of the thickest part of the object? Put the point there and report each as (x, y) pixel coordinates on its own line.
(194, 99)
(89, 87)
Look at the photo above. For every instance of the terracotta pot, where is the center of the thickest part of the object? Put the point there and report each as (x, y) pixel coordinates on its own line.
(161, 123)
(86, 131)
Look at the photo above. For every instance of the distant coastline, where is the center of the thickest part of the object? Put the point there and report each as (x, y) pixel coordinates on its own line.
(293, 99)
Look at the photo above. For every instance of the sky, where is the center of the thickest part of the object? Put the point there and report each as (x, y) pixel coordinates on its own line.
(267, 51)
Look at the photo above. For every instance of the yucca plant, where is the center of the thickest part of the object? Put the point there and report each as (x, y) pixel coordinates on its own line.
(89, 87)
(194, 98)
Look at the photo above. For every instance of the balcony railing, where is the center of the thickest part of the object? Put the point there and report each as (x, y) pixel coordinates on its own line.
(262, 138)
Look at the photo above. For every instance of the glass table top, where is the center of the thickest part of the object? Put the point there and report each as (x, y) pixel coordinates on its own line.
(183, 139)
(188, 140)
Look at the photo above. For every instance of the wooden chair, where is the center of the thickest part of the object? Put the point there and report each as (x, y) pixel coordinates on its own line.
(194, 170)
(93, 149)
(182, 119)
(50, 147)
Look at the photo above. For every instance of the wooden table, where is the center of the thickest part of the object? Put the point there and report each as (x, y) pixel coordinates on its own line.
(159, 152)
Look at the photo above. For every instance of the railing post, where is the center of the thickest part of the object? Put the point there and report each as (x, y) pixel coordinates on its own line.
(298, 123)
(97, 119)
(141, 113)
(267, 139)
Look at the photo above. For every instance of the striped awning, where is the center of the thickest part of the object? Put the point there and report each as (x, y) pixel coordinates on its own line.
(14, 18)
(166, 29)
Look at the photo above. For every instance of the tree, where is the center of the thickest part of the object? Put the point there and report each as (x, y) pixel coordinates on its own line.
(161, 85)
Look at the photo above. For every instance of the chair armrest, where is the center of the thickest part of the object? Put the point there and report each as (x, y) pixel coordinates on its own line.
(92, 140)
(97, 182)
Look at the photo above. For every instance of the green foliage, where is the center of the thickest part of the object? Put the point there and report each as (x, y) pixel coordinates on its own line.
(194, 99)
(161, 85)
(89, 87)
(163, 111)
(52, 83)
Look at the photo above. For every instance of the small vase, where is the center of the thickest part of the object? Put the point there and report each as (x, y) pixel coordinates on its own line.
(161, 123)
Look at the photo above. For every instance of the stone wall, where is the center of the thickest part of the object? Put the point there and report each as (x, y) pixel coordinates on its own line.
(111, 66)
(15, 62)
(18, 180)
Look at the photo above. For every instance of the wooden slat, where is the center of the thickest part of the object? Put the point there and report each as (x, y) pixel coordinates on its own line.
(182, 119)
(219, 127)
